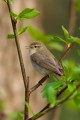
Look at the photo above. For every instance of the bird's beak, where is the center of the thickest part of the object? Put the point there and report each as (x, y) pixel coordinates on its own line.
(27, 47)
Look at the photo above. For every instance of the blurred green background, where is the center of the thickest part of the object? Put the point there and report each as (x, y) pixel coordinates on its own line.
(54, 14)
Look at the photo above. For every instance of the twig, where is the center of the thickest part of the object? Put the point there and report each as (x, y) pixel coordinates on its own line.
(38, 115)
(25, 79)
(66, 52)
(47, 106)
(71, 26)
(26, 114)
(38, 84)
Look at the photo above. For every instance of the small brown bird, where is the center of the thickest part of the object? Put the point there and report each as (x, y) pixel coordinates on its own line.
(43, 60)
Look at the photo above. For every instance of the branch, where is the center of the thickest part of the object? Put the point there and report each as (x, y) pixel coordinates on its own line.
(26, 112)
(38, 84)
(25, 79)
(66, 52)
(47, 106)
(38, 115)
(17, 45)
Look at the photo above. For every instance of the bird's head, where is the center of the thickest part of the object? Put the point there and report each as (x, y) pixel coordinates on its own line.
(35, 47)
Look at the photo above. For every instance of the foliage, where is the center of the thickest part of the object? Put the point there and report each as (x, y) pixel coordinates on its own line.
(71, 69)
(27, 13)
(20, 31)
(18, 116)
(71, 78)
(50, 91)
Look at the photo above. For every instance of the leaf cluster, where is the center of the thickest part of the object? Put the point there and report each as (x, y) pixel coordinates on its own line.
(71, 70)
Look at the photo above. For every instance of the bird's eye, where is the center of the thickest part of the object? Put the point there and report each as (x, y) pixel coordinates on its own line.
(35, 46)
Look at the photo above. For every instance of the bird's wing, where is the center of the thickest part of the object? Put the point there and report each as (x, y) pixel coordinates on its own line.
(50, 64)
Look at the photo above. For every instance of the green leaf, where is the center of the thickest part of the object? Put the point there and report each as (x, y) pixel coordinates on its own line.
(36, 34)
(56, 46)
(67, 40)
(28, 13)
(72, 71)
(66, 33)
(58, 39)
(11, 1)
(50, 94)
(75, 39)
(77, 69)
(13, 116)
(71, 87)
(13, 14)
(11, 36)
(77, 99)
(56, 84)
(72, 39)
(50, 91)
(29, 108)
(22, 30)
(20, 116)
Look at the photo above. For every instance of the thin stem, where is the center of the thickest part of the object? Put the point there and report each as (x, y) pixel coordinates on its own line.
(66, 52)
(47, 106)
(26, 112)
(38, 84)
(38, 115)
(17, 45)
(25, 79)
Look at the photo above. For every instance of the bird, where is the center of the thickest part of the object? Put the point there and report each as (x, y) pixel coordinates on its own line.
(44, 61)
